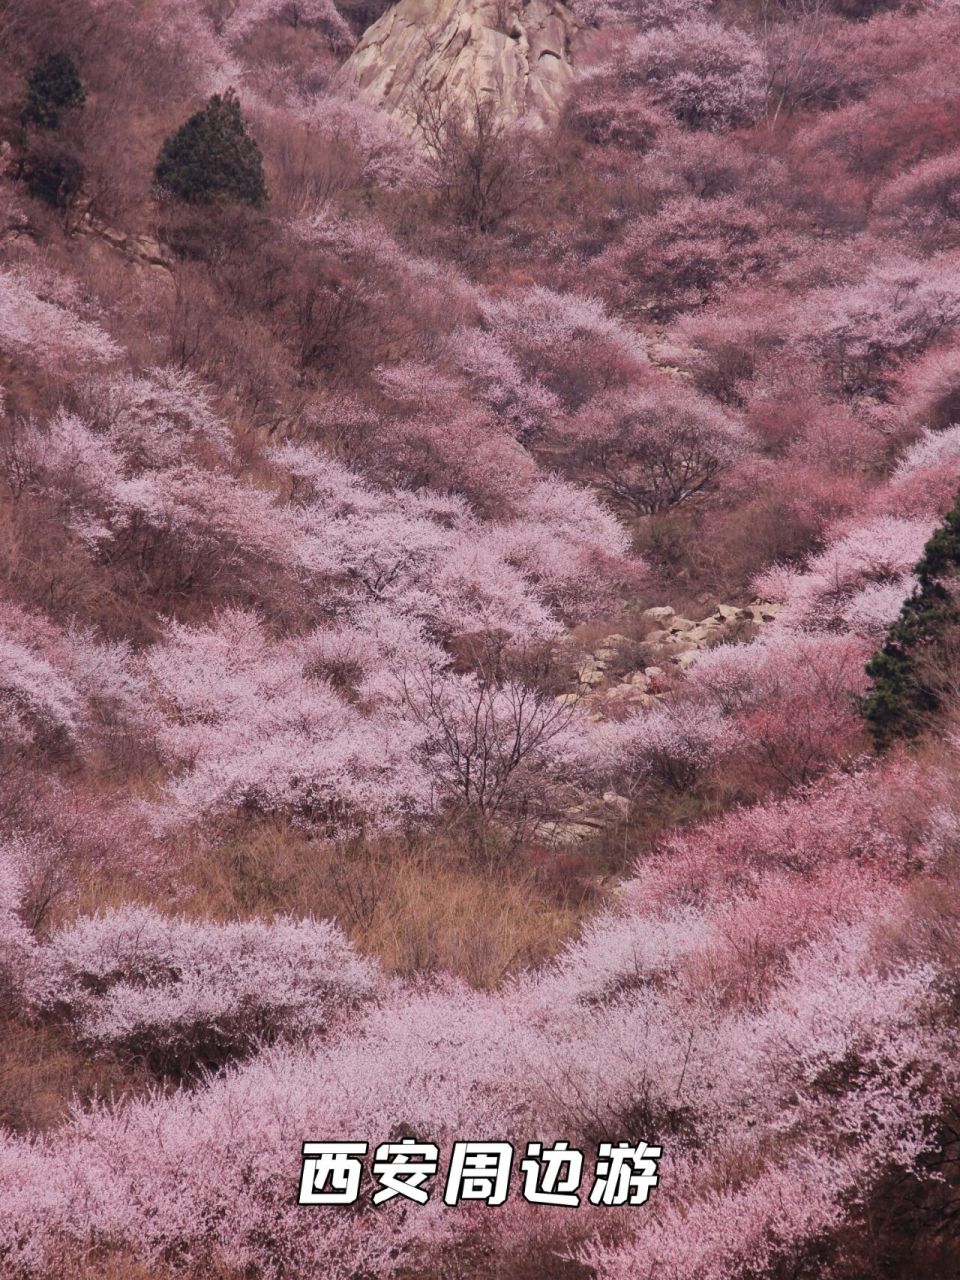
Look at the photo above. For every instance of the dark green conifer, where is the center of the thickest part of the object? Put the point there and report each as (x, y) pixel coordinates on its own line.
(905, 671)
(53, 86)
(212, 158)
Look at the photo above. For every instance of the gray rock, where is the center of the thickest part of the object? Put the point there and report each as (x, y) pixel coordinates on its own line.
(677, 642)
(617, 802)
(523, 55)
(563, 833)
(702, 633)
(762, 612)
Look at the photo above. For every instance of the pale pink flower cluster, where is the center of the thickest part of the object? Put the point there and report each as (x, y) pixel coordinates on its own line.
(857, 584)
(38, 321)
(673, 743)
(321, 14)
(644, 1035)
(179, 995)
(708, 75)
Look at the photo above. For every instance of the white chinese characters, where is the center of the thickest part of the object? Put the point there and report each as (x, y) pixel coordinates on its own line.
(401, 1168)
(552, 1176)
(625, 1174)
(478, 1171)
(331, 1172)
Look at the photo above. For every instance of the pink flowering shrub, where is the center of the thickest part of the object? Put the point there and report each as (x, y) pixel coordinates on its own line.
(921, 205)
(39, 317)
(523, 404)
(604, 111)
(37, 704)
(57, 835)
(655, 447)
(709, 76)
(780, 1216)
(687, 253)
(726, 345)
(321, 14)
(791, 696)
(568, 343)
(405, 443)
(427, 555)
(863, 331)
(182, 996)
(246, 723)
(926, 478)
(934, 450)
(574, 552)
(63, 692)
(155, 419)
(132, 496)
(674, 744)
(352, 142)
(857, 820)
(930, 390)
(857, 584)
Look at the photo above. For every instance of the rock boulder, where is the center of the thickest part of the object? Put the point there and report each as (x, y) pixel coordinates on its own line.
(523, 55)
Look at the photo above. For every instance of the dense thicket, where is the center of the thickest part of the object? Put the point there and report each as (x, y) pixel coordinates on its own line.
(434, 608)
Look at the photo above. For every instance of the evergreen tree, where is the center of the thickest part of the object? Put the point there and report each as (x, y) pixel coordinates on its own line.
(212, 158)
(53, 86)
(904, 671)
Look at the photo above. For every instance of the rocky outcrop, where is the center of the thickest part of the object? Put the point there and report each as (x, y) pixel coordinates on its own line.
(585, 821)
(522, 56)
(606, 687)
(679, 639)
(143, 249)
(672, 642)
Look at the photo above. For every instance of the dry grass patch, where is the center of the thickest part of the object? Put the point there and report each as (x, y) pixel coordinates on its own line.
(43, 1070)
(419, 906)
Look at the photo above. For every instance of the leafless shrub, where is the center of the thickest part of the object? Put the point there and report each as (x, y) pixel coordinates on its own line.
(478, 164)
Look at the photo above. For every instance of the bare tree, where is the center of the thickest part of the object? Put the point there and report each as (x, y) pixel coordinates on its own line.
(803, 71)
(477, 162)
(492, 746)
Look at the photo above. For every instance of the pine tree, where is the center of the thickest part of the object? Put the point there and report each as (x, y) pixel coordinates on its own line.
(904, 670)
(53, 86)
(211, 158)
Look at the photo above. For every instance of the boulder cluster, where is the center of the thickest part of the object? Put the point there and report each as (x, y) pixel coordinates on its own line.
(673, 642)
(607, 688)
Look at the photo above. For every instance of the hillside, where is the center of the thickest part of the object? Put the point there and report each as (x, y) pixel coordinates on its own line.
(479, 638)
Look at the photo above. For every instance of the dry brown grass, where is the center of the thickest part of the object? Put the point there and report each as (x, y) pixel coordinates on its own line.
(42, 1070)
(418, 906)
